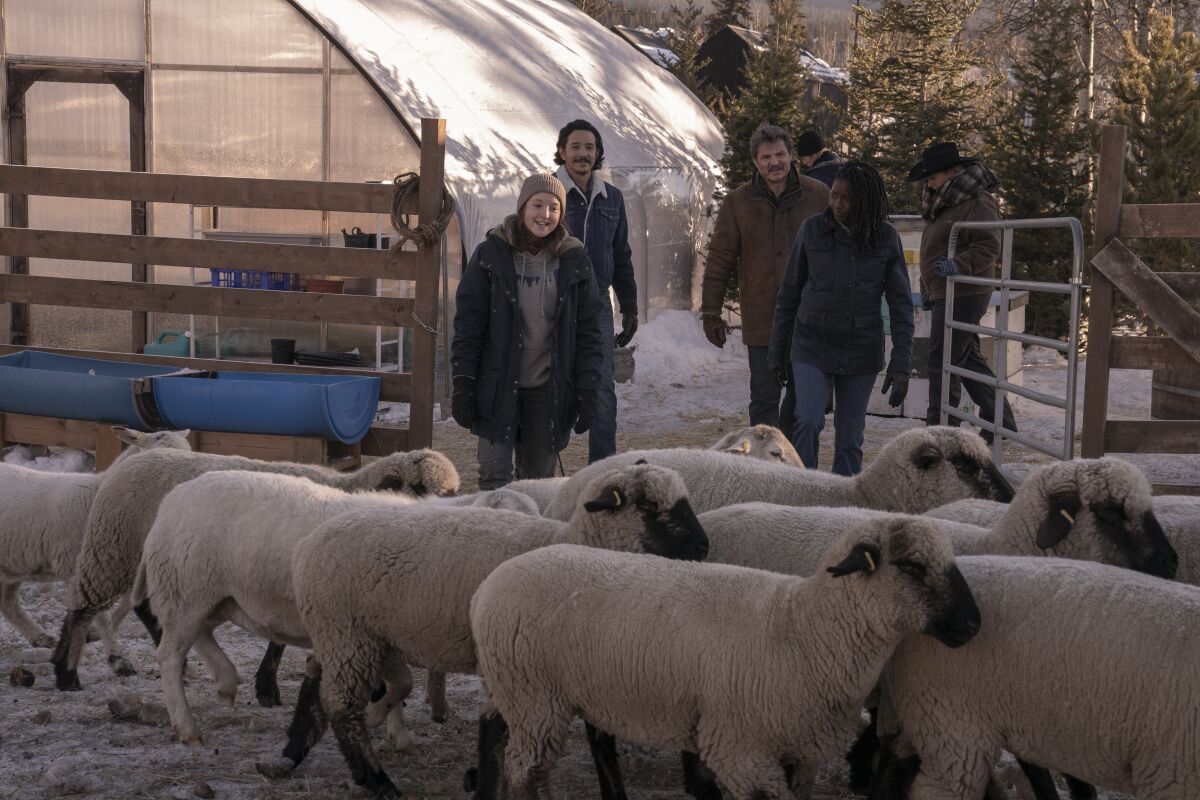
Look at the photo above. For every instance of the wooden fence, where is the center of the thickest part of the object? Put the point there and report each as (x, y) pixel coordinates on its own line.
(1169, 299)
(419, 313)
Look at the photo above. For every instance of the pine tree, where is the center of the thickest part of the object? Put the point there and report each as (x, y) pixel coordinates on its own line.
(728, 12)
(1039, 146)
(687, 35)
(775, 84)
(596, 9)
(1158, 98)
(911, 84)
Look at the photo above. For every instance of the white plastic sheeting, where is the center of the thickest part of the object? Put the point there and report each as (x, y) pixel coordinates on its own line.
(506, 75)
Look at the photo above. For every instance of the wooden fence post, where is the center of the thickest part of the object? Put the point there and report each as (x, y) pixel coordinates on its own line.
(425, 309)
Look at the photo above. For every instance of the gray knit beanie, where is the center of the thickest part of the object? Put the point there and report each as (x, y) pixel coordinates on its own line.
(542, 183)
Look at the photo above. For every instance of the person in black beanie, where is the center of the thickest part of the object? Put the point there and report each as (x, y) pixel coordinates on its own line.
(813, 156)
(528, 342)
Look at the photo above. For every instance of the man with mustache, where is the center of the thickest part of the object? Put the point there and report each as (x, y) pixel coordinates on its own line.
(753, 235)
(595, 215)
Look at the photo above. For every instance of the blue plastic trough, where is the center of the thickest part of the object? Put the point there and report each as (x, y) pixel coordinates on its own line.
(329, 406)
(50, 385)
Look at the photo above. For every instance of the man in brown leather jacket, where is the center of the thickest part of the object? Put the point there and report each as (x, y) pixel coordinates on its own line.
(958, 189)
(753, 235)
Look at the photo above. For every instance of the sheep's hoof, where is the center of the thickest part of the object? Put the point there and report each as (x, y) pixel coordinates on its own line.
(471, 779)
(228, 698)
(121, 667)
(268, 697)
(67, 681)
(438, 717)
(403, 740)
(275, 769)
(92, 636)
(42, 640)
(191, 741)
(190, 672)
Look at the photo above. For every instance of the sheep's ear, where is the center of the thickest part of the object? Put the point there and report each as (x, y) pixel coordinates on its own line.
(640, 462)
(741, 448)
(186, 432)
(611, 500)
(863, 558)
(1060, 518)
(927, 456)
(127, 435)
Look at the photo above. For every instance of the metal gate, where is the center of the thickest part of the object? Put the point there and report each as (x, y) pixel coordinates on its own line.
(1006, 284)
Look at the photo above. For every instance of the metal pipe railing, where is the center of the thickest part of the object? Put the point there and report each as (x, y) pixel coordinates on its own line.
(1007, 285)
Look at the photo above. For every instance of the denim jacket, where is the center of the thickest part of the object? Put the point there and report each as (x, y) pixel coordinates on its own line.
(828, 310)
(599, 221)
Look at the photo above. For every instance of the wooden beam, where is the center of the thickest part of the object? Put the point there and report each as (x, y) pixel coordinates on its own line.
(1138, 282)
(201, 190)
(1160, 221)
(425, 308)
(17, 208)
(165, 298)
(393, 386)
(77, 434)
(1175, 488)
(350, 262)
(1185, 284)
(381, 441)
(133, 86)
(70, 73)
(1149, 352)
(1152, 436)
(1110, 183)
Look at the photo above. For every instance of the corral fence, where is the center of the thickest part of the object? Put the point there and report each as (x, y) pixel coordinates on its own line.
(19, 290)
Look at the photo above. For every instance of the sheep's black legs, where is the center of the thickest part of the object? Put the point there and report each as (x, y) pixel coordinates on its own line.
(698, 780)
(70, 646)
(1040, 780)
(309, 720)
(894, 776)
(355, 743)
(266, 686)
(861, 756)
(608, 765)
(485, 779)
(148, 619)
(1080, 790)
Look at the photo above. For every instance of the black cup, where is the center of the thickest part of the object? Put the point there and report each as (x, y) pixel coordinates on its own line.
(283, 351)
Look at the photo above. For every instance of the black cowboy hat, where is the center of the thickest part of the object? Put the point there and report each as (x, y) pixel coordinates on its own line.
(937, 157)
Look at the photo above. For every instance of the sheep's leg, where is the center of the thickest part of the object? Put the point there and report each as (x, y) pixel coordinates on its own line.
(1080, 790)
(435, 694)
(306, 728)
(967, 776)
(862, 754)
(345, 687)
(118, 614)
(10, 609)
(750, 777)
(485, 780)
(1040, 781)
(70, 647)
(533, 747)
(222, 669)
(608, 764)
(698, 780)
(112, 652)
(266, 684)
(143, 612)
(172, 655)
(399, 681)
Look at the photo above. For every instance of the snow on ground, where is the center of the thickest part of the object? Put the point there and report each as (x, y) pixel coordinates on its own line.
(684, 392)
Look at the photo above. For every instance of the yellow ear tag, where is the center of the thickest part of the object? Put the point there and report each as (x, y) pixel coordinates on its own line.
(744, 447)
(616, 498)
(870, 561)
(1067, 516)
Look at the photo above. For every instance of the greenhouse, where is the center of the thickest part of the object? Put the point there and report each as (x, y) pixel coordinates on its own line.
(335, 90)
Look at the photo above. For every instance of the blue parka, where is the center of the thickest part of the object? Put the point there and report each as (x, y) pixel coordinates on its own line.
(828, 311)
(487, 337)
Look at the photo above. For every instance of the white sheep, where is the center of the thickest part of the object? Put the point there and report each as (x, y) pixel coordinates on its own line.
(765, 442)
(372, 586)
(504, 499)
(42, 528)
(542, 490)
(916, 471)
(128, 499)
(763, 675)
(1079, 667)
(1063, 509)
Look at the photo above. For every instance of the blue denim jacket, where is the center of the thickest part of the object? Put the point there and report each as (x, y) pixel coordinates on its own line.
(599, 222)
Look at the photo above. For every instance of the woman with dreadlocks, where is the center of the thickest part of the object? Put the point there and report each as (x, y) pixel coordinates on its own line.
(828, 321)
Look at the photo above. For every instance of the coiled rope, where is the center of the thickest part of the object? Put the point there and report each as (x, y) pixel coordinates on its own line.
(427, 233)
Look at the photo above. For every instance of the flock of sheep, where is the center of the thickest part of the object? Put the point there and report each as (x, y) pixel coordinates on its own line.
(726, 603)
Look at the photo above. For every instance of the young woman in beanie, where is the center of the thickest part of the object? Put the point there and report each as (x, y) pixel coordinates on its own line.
(828, 322)
(528, 342)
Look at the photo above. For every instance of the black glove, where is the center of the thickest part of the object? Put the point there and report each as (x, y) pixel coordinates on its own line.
(714, 329)
(462, 402)
(898, 383)
(628, 327)
(587, 408)
(781, 374)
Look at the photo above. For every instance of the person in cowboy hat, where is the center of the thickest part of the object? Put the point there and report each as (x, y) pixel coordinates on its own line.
(957, 189)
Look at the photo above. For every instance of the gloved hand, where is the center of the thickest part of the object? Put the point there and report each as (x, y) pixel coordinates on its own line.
(462, 401)
(898, 383)
(629, 323)
(587, 408)
(714, 329)
(945, 266)
(781, 374)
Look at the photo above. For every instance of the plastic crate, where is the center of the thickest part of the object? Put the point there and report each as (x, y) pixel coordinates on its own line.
(251, 279)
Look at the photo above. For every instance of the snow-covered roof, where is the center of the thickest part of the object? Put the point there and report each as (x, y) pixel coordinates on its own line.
(654, 44)
(819, 68)
(506, 75)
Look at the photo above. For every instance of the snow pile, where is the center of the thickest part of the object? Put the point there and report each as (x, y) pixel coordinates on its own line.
(673, 349)
(65, 460)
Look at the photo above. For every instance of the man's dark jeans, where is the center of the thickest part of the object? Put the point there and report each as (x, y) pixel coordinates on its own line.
(536, 456)
(765, 393)
(964, 353)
